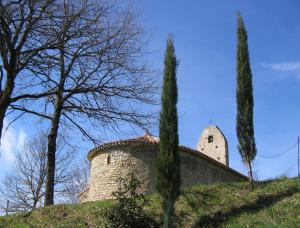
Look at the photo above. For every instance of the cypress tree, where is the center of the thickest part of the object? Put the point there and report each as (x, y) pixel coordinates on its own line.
(168, 162)
(244, 96)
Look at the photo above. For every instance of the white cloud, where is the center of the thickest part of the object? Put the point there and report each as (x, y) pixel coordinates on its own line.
(285, 67)
(21, 140)
(11, 141)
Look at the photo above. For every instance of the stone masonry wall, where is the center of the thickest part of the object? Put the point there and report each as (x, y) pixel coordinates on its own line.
(216, 147)
(103, 180)
(124, 159)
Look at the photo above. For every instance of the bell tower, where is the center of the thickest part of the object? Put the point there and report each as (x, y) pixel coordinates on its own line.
(214, 144)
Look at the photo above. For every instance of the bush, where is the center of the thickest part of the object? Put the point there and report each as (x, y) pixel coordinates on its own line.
(129, 211)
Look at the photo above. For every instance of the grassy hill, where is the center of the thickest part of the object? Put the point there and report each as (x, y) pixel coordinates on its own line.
(271, 204)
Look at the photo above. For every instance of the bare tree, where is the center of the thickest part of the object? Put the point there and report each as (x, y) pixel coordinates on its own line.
(78, 182)
(24, 188)
(23, 26)
(97, 74)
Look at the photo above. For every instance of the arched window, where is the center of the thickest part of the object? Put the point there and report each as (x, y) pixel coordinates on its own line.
(108, 159)
(210, 139)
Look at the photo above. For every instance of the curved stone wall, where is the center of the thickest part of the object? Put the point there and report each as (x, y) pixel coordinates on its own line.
(111, 163)
(123, 160)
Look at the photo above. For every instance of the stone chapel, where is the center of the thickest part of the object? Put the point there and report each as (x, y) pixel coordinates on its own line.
(207, 163)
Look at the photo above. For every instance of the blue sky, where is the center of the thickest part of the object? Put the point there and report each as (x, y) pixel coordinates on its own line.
(205, 41)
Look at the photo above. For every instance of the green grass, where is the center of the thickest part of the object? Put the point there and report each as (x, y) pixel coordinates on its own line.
(271, 204)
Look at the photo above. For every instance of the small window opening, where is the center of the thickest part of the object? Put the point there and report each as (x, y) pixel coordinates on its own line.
(218, 158)
(210, 139)
(216, 147)
(108, 159)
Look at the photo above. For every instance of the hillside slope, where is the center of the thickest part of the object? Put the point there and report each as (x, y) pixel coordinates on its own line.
(272, 204)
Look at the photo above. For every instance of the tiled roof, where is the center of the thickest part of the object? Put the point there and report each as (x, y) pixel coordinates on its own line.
(150, 139)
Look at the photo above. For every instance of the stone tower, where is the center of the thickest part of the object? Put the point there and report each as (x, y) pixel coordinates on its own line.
(214, 144)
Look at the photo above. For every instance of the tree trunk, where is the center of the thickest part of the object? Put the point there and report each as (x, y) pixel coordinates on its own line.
(35, 201)
(38, 194)
(251, 185)
(169, 214)
(5, 95)
(3, 108)
(50, 179)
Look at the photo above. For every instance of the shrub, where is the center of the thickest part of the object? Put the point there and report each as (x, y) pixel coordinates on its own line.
(129, 211)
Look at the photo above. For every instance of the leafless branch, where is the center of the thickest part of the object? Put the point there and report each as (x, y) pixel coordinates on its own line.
(25, 186)
(90, 72)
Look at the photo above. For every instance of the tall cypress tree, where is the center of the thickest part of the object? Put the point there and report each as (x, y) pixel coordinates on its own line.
(168, 162)
(244, 97)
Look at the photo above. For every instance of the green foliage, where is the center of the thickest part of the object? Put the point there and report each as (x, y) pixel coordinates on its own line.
(274, 203)
(168, 162)
(244, 97)
(129, 211)
(72, 215)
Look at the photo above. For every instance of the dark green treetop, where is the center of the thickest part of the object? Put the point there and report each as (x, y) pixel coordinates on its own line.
(168, 162)
(244, 97)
